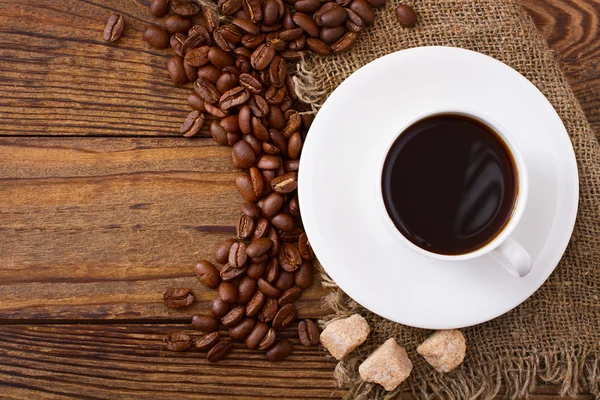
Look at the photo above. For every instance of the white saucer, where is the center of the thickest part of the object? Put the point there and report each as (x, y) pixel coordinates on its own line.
(339, 187)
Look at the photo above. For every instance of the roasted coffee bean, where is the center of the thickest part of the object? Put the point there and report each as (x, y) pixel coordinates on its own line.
(176, 42)
(304, 275)
(159, 8)
(244, 228)
(192, 124)
(285, 281)
(197, 57)
(290, 55)
(178, 297)
(257, 334)
(206, 342)
(246, 289)
(176, 70)
(237, 253)
(227, 292)
(254, 142)
(364, 10)
(217, 132)
(285, 316)
(267, 161)
(215, 111)
(222, 43)
(251, 83)
(231, 34)
(276, 242)
(291, 236)
(211, 18)
(270, 12)
(262, 56)
(229, 273)
(233, 317)
(293, 207)
(275, 118)
(114, 27)
(262, 230)
(257, 181)
(307, 120)
(354, 23)
(230, 123)
(269, 310)
(222, 253)
(286, 183)
(254, 9)
(288, 22)
(220, 59)
(270, 28)
(377, 3)
(268, 340)
(243, 155)
(330, 35)
(205, 323)
(243, 329)
(308, 332)
(259, 106)
(291, 165)
(210, 73)
(245, 25)
(275, 95)
(304, 247)
(306, 23)
(156, 37)
(332, 18)
(178, 341)
(272, 204)
(229, 7)
(286, 104)
(290, 295)
(297, 44)
(185, 8)
(275, 41)
(293, 124)
(259, 247)
(260, 259)
(244, 185)
(206, 90)
(291, 34)
(278, 71)
(234, 97)
(318, 47)
(244, 117)
(272, 272)
(190, 72)
(268, 289)
(208, 274)
(405, 14)
(177, 24)
(252, 41)
(280, 350)
(289, 258)
(256, 270)
(278, 140)
(344, 43)
(241, 14)
(259, 130)
(268, 176)
(219, 351)
(197, 37)
(219, 308)
(251, 210)
(255, 304)
(243, 63)
(307, 6)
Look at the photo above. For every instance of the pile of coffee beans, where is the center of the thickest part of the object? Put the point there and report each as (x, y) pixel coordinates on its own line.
(241, 88)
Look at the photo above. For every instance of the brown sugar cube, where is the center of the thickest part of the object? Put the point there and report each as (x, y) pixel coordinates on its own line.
(389, 366)
(444, 350)
(342, 336)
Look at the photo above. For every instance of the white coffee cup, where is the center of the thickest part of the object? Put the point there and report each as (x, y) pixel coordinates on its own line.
(503, 248)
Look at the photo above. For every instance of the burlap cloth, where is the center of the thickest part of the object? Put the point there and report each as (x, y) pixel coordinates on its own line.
(554, 336)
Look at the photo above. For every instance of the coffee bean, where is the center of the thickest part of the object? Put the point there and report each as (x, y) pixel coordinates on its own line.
(210, 73)
(243, 329)
(205, 323)
(304, 275)
(259, 130)
(234, 316)
(225, 83)
(234, 97)
(270, 28)
(244, 120)
(259, 106)
(244, 228)
(268, 340)
(272, 273)
(276, 242)
(206, 342)
(255, 304)
(270, 12)
(219, 351)
(159, 8)
(208, 274)
(307, 6)
(257, 334)
(252, 41)
(211, 18)
(198, 36)
(290, 295)
(280, 350)
(268, 176)
(220, 113)
(293, 207)
(197, 57)
(260, 259)
(219, 308)
(259, 247)
(289, 258)
(257, 180)
(332, 18)
(114, 27)
(229, 273)
(243, 155)
(304, 247)
(206, 90)
(308, 332)
(275, 95)
(291, 34)
(185, 8)
(377, 3)
(283, 221)
(285, 316)
(278, 140)
(306, 23)
(273, 40)
(222, 43)
(293, 125)
(177, 24)
(344, 43)
(291, 166)
(156, 37)
(267, 161)
(178, 341)
(289, 55)
(262, 56)
(176, 70)
(237, 253)
(190, 72)
(354, 23)
(292, 235)
(178, 297)
(251, 83)
(256, 270)
(251, 210)
(269, 310)
(176, 43)
(262, 230)
(229, 7)
(246, 25)
(244, 185)
(318, 47)
(268, 289)
(227, 292)
(192, 124)
(278, 71)
(245, 290)
(330, 35)
(217, 132)
(405, 14)
(364, 10)
(285, 281)
(230, 123)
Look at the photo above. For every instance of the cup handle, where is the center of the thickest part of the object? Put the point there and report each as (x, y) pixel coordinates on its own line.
(513, 257)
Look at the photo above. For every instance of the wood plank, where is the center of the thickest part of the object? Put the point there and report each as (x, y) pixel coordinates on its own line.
(95, 228)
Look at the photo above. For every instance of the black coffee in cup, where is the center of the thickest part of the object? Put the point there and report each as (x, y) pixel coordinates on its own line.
(449, 184)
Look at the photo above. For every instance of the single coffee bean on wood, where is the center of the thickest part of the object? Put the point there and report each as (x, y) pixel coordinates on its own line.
(234, 316)
(114, 27)
(178, 341)
(178, 297)
(156, 36)
(268, 340)
(280, 350)
(227, 292)
(405, 15)
(206, 342)
(192, 124)
(208, 274)
(285, 316)
(308, 332)
(219, 351)
(205, 323)
(219, 308)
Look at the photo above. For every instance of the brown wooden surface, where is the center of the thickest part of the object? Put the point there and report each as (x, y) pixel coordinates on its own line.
(102, 206)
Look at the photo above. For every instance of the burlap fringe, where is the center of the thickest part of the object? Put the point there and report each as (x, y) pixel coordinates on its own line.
(575, 368)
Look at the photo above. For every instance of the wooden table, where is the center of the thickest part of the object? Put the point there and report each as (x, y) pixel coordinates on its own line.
(103, 205)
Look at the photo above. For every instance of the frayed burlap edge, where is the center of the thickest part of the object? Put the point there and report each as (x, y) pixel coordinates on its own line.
(575, 368)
